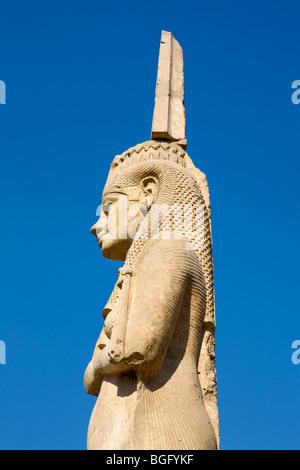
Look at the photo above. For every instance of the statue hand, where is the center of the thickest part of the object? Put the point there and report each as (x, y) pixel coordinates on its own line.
(99, 366)
(92, 381)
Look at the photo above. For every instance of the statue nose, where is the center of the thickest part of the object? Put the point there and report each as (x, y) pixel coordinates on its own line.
(94, 230)
(99, 225)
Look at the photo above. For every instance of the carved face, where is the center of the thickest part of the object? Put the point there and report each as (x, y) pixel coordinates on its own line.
(122, 212)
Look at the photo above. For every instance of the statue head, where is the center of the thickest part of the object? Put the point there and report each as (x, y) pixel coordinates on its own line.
(149, 193)
(125, 203)
(140, 177)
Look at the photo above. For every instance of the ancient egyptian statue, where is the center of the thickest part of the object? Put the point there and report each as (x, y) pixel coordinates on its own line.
(153, 366)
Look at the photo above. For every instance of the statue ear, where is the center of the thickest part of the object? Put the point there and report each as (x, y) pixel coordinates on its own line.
(149, 186)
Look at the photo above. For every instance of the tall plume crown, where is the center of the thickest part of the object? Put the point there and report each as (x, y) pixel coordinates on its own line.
(169, 112)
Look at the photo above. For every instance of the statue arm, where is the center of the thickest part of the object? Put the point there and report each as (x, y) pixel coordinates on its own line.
(156, 298)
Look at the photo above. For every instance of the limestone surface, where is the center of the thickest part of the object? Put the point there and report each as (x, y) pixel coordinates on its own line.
(169, 112)
(153, 366)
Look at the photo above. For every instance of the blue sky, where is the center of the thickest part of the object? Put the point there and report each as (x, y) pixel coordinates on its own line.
(80, 83)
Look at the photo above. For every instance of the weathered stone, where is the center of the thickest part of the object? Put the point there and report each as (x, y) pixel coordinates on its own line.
(169, 113)
(153, 366)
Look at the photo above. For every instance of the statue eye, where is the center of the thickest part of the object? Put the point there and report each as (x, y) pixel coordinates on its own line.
(105, 208)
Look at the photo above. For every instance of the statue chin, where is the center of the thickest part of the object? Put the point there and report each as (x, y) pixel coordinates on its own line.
(115, 249)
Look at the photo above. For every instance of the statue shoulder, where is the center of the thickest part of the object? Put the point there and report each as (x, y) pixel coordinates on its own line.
(168, 254)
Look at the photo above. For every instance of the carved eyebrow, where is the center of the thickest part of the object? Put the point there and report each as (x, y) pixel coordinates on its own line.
(112, 195)
(108, 196)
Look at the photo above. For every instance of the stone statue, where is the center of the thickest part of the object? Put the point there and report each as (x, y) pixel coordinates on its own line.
(153, 366)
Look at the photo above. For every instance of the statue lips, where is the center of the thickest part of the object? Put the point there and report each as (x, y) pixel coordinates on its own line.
(100, 237)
